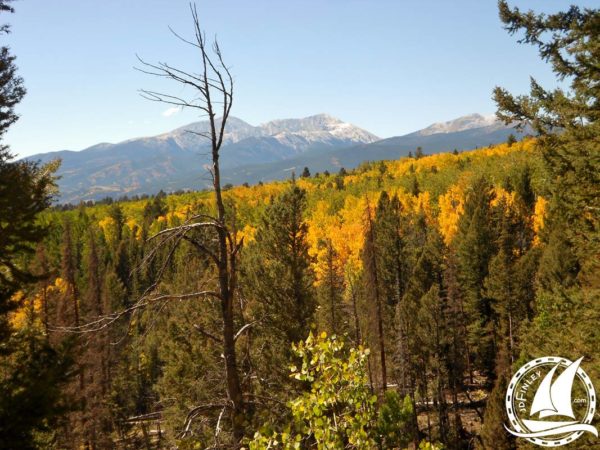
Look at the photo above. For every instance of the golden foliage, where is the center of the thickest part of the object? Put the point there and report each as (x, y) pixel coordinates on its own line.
(344, 230)
(451, 206)
(539, 215)
(107, 225)
(30, 308)
(247, 233)
(502, 196)
(336, 215)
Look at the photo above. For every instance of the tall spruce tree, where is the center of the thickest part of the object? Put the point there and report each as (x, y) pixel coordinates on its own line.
(434, 338)
(474, 249)
(423, 332)
(390, 230)
(333, 316)
(25, 188)
(457, 360)
(373, 293)
(31, 372)
(569, 42)
(281, 278)
(96, 418)
(493, 434)
(566, 119)
(501, 289)
(389, 235)
(278, 280)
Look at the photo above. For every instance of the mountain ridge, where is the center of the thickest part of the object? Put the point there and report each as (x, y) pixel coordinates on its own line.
(174, 160)
(463, 123)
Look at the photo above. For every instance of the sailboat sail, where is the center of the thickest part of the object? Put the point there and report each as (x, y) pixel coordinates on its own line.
(543, 399)
(554, 399)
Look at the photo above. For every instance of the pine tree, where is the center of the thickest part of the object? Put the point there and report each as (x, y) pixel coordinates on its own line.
(32, 373)
(122, 264)
(392, 263)
(511, 140)
(283, 281)
(69, 315)
(500, 287)
(567, 277)
(25, 188)
(40, 267)
(433, 334)
(278, 279)
(458, 355)
(524, 189)
(373, 289)
(422, 301)
(94, 357)
(154, 209)
(389, 238)
(414, 186)
(567, 286)
(32, 398)
(493, 434)
(332, 311)
(116, 214)
(567, 40)
(394, 425)
(474, 250)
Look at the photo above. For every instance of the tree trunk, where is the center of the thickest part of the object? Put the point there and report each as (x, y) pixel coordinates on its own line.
(214, 86)
(227, 281)
(378, 306)
(331, 285)
(234, 391)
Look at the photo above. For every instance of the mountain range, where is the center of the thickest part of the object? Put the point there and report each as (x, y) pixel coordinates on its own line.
(179, 159)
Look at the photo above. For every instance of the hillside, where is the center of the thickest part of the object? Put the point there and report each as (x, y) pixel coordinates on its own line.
(468, 132)
(176, 160)
(435, 175)
(337, 210)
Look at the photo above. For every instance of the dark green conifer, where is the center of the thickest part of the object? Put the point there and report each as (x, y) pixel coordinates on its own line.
(493, 434)
(474, 249)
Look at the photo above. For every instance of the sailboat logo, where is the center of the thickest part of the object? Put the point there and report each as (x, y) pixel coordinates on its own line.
(553, 398)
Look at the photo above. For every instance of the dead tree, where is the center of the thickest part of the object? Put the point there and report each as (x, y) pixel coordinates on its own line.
(210, 235)
(213, 97)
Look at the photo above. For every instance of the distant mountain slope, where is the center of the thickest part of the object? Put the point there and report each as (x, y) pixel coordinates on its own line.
(464, 133)
(463, 123)
(175, 160)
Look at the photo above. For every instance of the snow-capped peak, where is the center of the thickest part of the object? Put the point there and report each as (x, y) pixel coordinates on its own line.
(317, 127)
(297, 133)
(463, 123)
(319, 122)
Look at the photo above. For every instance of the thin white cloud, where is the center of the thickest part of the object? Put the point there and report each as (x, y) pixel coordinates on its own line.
(171, 111)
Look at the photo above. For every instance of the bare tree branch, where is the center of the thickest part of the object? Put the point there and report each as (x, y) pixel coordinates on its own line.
(244, 328)
(197, 410)
(105, 321)
(203, 332)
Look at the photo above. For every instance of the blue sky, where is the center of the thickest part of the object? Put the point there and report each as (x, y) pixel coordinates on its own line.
(390, 67)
